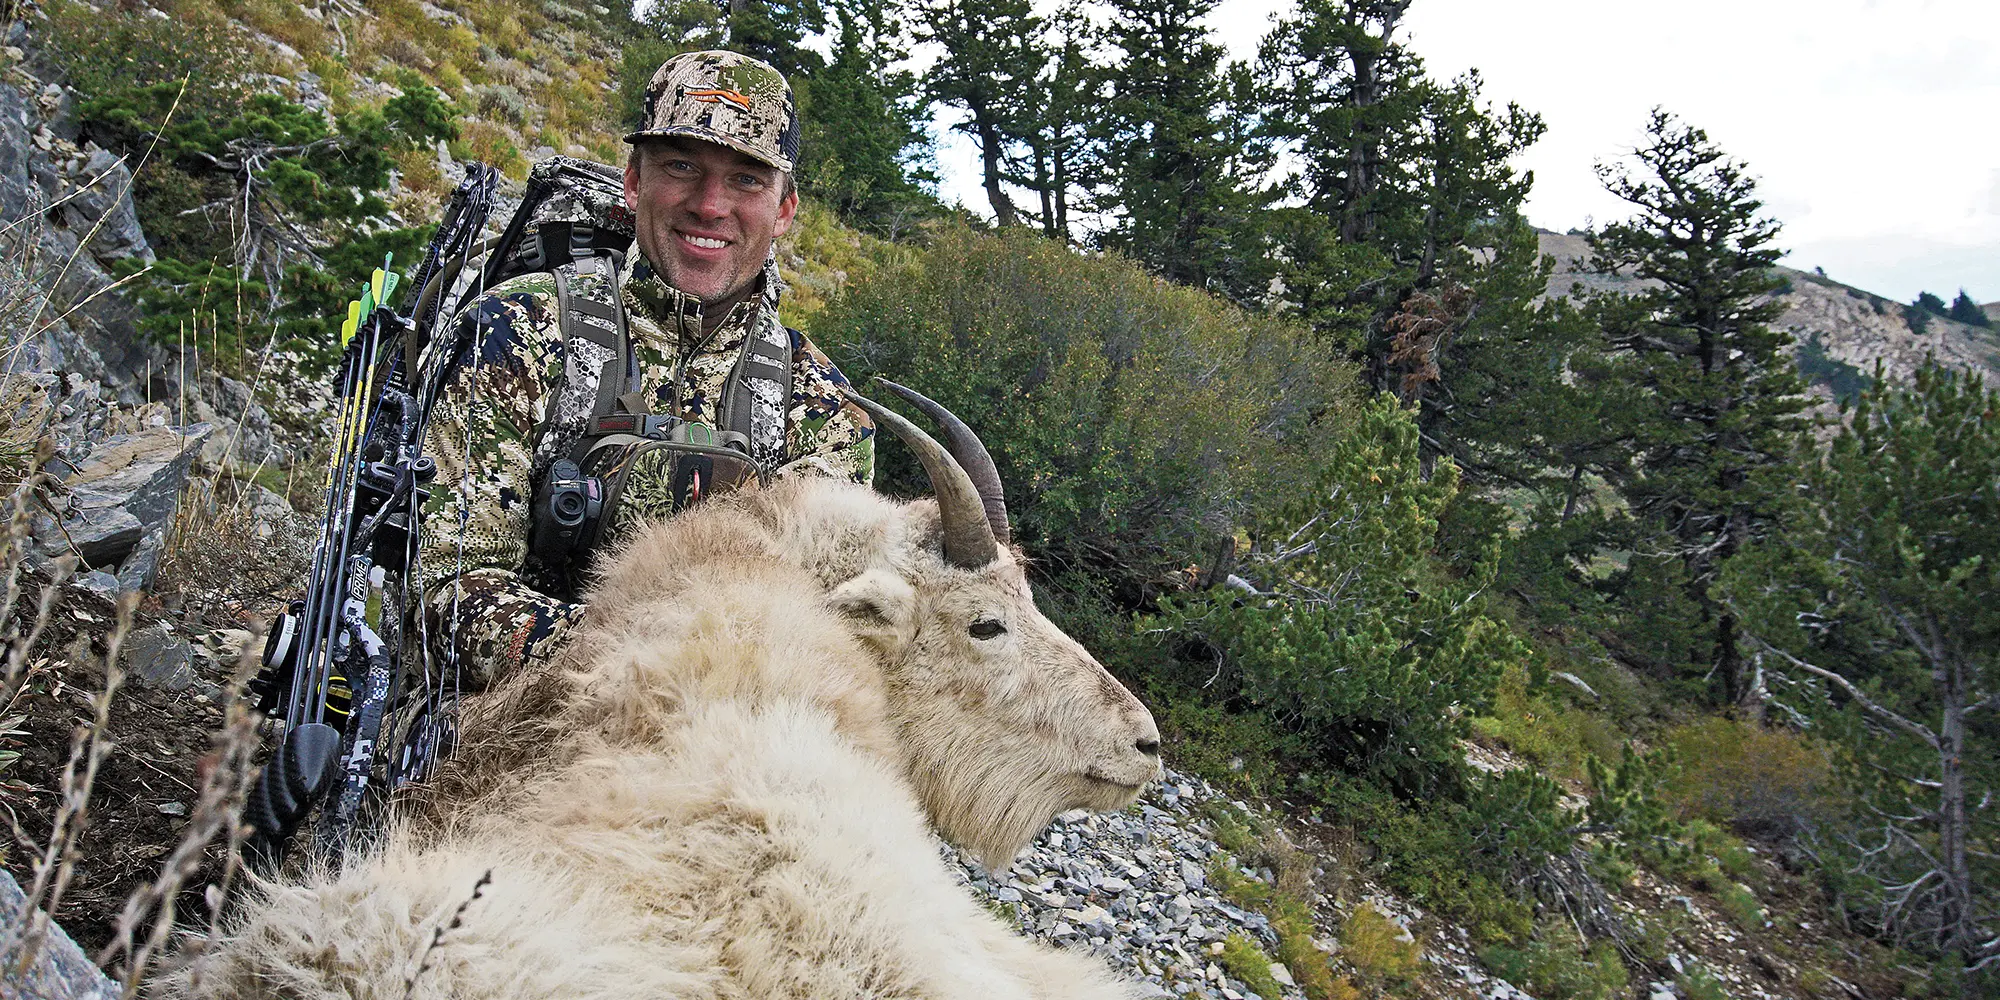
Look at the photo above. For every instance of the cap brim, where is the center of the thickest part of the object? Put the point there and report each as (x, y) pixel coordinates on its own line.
(710, 135)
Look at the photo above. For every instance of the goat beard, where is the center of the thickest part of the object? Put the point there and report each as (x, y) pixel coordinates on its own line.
(994, 805)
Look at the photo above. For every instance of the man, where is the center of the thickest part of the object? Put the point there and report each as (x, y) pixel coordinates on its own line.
(709, 183)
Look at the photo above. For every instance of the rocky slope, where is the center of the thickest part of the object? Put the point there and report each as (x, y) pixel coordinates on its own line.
(1840, 332)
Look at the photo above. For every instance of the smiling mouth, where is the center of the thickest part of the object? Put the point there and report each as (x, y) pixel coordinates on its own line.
(704, 242)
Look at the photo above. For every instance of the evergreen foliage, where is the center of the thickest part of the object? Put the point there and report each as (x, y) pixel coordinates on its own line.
(1304, 450)
(1357, 636)
(1966, 311)
(775, 31)
(1183, 185)
(865, 149)
(995, 56)
(1880, 615)
(259, 208)
(1403, 248)
(1716, 405)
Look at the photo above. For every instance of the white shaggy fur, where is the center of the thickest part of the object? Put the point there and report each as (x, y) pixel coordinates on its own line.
(729, 794)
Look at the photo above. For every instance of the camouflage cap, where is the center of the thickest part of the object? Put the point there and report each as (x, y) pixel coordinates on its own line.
(724, 98)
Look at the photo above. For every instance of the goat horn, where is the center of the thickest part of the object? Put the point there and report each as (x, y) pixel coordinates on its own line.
(968, 540)
(971, 455)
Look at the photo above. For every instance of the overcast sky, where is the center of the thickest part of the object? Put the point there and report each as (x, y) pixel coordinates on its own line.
(1873, 126)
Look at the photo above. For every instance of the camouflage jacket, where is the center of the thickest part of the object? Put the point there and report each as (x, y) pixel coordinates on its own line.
(507, 610)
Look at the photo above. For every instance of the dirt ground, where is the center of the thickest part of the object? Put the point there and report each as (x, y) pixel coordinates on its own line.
(141, 802)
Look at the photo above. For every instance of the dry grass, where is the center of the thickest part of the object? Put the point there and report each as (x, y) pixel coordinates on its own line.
(46, 640)
(219, 553)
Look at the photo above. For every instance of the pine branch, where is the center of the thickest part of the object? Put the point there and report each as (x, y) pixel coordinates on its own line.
(1917, 729)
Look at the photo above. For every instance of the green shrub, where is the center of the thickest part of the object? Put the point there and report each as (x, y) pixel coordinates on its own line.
(1757, 779)
(1243, 959)
(1242, 749)
(1364, 641)
(1377, 948)
(1556, 965)
(1287, 902)
(1238, 888)
(1131, 420)
(1697, 983)
(106, 52)
(176, 88)
(1469, 857)
(1741, 906)
(1554, 735)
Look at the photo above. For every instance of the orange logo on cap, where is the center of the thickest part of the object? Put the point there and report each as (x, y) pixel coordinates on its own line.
(717, 96)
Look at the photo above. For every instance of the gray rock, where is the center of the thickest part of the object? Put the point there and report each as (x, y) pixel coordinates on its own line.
(1192, 874)
(103, 202)
(57, 970)
(126, 489)
(140, 568)
(159, 658)
(102, 537)
(98, 582)
(245, 438)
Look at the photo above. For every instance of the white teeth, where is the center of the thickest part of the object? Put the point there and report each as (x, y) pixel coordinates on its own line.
(705, 242)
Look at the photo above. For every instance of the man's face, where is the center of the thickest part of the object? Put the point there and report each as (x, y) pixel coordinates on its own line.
(706, 216)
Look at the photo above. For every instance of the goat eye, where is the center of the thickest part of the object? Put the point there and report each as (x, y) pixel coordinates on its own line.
(986, 628)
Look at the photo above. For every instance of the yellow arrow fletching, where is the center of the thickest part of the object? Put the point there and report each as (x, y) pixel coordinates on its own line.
(353, 322)
(375, 286)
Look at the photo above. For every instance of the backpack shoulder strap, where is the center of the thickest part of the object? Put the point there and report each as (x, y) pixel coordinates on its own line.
(599, 365)
(758, 393)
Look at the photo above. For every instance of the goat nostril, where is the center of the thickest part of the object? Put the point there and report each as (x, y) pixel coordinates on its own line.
(1150, 748)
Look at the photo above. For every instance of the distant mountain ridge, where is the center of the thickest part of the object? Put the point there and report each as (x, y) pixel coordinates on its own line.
(1840, 331)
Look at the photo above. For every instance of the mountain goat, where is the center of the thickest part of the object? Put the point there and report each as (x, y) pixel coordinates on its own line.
(727, 794)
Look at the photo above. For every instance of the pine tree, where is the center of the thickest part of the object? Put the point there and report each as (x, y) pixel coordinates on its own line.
(1403, 181)
(1879, 612)
(1514, 397)
(1718, 401)
(775, 31)
(1342, 93)
(1061, 121)
(993, 55)
(1966, 311)
(1182, 186)
(865, 150)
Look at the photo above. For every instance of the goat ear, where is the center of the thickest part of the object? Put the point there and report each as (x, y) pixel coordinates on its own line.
(879, 605)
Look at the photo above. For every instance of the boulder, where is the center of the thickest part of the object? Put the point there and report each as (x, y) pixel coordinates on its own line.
(53, 294)
(57, 970)
(159, 658)
(124, 491)
(139, 569)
